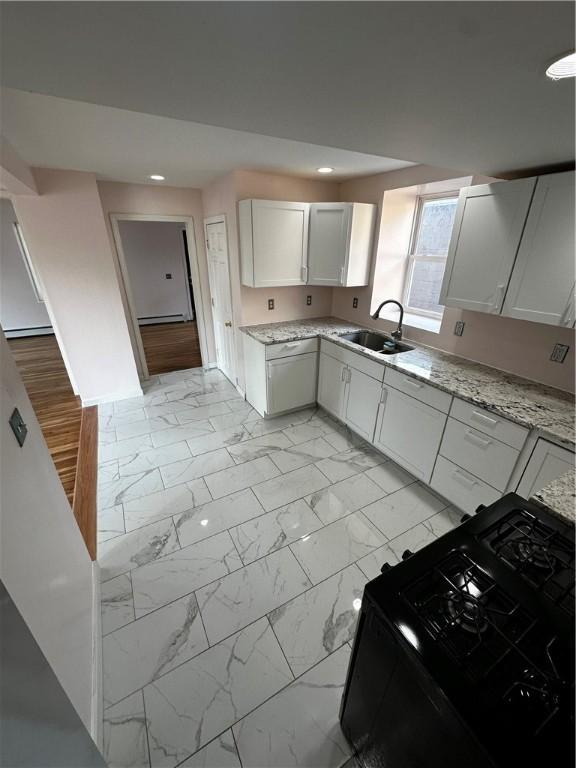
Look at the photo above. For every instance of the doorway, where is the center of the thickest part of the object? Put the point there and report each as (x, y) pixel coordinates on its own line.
(219, 277)
(158, 264)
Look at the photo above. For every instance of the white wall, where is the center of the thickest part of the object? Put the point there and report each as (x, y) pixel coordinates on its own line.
(19, 307)
(44, 563)
(151, 250)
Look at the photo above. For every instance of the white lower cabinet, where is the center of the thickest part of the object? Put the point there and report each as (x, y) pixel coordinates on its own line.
(361, 402)
(409, 432)
(291, 382)
(461, 488)
(547, 462)
(331, 384)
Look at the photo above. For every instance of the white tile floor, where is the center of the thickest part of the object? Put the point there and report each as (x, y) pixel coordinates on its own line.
(233, 553)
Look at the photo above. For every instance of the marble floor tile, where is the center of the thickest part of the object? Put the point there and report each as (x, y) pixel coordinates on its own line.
(195, 467)
(187, 394)
(180, 573)
(298, 456)
(390, 477)
(113, 420)
(265, 426)
(269, 532)
(194, 430)
(216, 440)
(316, 623)
(202, 522)
(110, 523)
(444, 521)
(403, 509)
(218, 397)
(124, 734)
(289, 487)
(166, 503)
(152, 458)
(229, 680)
(256, 447)
(187, 373)
(347, 496)
(303, 433)
(299, 726)
(339, 466)
(107, 436)
(126, 552)
(345, 440)
(175, 406)
(202, 412)
(145, 426)
(130, 487)
(108, 472)
(337, 545)
(135, 403)
(240, 476)
(234, 418)
(235, 601)
(147, 648)
(220, 753)
(116, 603)
(113, 451)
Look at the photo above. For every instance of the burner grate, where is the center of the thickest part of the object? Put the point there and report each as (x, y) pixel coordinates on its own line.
(542, 555)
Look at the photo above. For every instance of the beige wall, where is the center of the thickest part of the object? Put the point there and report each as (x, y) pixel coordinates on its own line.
(517, 346)
(44, 563)
(152, 199)
(66, 235)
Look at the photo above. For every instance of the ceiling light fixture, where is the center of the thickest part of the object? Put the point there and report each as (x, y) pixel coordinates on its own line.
(156, 177)
(325, 169)
(563, 67)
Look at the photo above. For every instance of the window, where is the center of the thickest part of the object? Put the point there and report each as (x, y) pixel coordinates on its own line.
(427, 258)
(28, 263)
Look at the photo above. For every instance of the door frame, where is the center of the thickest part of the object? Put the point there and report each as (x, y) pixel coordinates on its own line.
(221, 219)
(199, 299)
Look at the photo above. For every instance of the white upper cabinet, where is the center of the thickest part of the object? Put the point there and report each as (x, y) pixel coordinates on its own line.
(542, 283)
(485, 240)
(273, 242)
(340, 243)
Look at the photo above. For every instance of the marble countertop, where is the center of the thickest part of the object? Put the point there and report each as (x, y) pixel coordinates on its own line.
(559, 496)
(532, 405)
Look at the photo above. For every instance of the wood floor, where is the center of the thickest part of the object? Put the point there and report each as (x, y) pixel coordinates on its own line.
(171, 347)
(57, 408)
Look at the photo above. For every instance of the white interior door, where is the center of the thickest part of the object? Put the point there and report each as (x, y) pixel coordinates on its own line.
(219, 277)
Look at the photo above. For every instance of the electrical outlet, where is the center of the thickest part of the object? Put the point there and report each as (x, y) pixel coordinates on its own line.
(559, 353)
(459, 328)
(355, 302)
(270, 303)
(308, 300)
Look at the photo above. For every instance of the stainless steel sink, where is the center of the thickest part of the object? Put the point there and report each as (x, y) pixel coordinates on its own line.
(377, 342)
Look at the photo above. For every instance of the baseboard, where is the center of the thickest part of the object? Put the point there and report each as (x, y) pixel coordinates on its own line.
(162, 319)
(16, 333)
(113, 396)
(97, 714)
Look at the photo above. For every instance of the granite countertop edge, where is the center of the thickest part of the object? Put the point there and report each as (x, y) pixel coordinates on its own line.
(408, 363)
(559, 497)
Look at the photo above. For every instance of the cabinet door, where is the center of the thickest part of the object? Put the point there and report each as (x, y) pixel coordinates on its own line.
(362, 398)
(279, 242)
(409, 432)
(542, 282)
(291, 382)
(331, 385)
(548, 462)
(329, 243)
(485, 239)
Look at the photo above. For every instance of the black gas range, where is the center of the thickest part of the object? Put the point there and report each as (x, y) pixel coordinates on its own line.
(464, 652)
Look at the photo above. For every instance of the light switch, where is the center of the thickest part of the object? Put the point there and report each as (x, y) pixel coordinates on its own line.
(18, 427)
(168, 275)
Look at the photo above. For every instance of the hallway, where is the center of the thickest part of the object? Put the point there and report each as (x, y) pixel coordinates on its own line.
(171, 347)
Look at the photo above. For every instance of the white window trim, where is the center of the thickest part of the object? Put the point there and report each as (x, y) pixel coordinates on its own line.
(413, 257)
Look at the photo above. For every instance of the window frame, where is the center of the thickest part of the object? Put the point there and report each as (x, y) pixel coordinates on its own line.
(414, 257)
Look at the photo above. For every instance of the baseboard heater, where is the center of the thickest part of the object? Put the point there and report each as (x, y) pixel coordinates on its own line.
(40, 330)
(153, 320)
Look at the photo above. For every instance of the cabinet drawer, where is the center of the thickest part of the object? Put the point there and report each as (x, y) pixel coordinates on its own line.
(289, 348)
(461, 488)
(489, 423)
(291, 382)
(486, 457)
(423, 392)
(354, 360)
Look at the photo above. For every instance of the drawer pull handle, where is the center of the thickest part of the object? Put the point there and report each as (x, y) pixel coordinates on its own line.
(472, 437)
(343, 377)
(291, 344)
(413, 383)
(465, 480)
(481, 417)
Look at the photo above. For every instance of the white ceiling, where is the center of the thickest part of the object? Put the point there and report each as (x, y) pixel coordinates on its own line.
(455, 84)
(119, 145)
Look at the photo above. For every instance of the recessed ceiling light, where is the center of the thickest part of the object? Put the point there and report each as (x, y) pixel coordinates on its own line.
(325, 169)
(156, 177)
(561, 68)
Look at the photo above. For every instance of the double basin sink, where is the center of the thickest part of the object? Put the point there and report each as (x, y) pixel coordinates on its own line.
(377, 342)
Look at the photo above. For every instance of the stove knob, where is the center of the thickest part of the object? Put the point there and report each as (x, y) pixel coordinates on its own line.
(480, 507)
(406, 554)
(466, 517)
(385, 568)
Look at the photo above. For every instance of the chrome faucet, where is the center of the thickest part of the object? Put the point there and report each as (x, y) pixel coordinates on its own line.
(397, 334)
